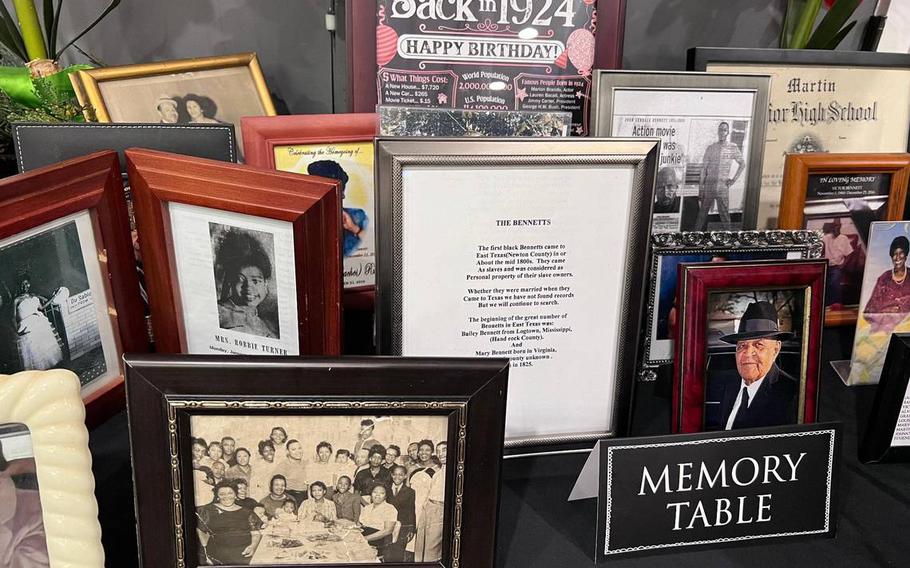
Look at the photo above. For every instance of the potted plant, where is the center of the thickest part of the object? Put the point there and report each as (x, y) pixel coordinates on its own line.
(797, 31)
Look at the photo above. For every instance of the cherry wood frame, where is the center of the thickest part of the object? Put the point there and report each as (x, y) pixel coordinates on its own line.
(360, 22)
(799, 167)
(312, 205)
(164, 392)
(90, 183)
(696, 282)
(262, 134)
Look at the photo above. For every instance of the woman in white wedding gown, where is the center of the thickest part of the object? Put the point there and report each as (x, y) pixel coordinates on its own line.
(37, 342)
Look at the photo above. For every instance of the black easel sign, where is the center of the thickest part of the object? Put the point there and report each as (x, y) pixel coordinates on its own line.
(717, 488)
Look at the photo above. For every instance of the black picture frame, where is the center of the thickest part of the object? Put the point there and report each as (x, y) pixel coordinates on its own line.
(875, 446)
(164, 391)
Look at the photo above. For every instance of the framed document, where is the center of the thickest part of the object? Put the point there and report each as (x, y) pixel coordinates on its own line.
(841, 195)
(445, 515)
(750, 341)
(238, 260)
(70, 294)
(336, 146)
(821, 101)
(887, 436)
(47, 491)
(531, 249)
(669, 250)
(712, 132)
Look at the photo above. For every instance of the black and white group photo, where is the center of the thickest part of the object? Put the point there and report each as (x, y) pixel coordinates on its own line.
(47, 308)
(319, 489)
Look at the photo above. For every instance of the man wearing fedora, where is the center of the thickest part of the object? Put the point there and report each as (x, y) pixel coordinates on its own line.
(758, 393)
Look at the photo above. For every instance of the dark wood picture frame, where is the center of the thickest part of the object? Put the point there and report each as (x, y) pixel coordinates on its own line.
(696, 282)
(312, 205)
(360, 23)
(799, 167)
(90, 183)
(890, 398)
(164, 392)
(262, 134)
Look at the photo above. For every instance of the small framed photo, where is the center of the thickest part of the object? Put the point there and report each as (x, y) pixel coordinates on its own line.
(238, 260)
(887, 436)
(47, 496)
(750, 341)
(339, 147)
(669, 250)
(202, 90)
(712, 132)
(69, 293)
(478, 256)
(252, 461)
(841, 195)
(884, 303)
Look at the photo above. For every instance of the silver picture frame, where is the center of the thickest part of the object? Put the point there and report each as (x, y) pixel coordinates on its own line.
(608, 82)
(395, 156)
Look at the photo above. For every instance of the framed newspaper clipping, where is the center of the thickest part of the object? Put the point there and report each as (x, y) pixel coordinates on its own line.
(480, 255)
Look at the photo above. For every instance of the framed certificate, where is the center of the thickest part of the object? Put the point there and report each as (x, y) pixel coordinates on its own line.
(712, 133)
(521, 248)
(238, 260)
(820, 101)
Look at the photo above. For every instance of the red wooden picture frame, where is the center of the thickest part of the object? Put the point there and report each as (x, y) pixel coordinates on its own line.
(262, 134)
(697, 281)
(311, 204)
(360, 22)
(90, 183)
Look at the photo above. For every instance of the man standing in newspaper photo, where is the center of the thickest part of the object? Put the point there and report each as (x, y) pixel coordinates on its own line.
(715, 181)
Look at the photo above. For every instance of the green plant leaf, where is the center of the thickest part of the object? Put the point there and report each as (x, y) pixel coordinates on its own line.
(839, 37)
(791, 17)
(832, 23)
(9, 33)
(804, 26)
(108, 10)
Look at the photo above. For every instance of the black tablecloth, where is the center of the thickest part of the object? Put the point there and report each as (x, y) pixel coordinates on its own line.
(538, 528)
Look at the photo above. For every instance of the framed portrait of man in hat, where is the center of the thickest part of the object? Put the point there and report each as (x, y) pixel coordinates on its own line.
(749, 342)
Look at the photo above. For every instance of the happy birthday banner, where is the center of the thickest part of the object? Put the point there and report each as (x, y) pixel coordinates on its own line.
(487, 55)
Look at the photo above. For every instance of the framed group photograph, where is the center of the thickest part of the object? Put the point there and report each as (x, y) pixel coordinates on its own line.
(335, 146)
(842, 195)
(69, 292)
(354, 460)
(48, 513)
(712, 132)
(884, 303)
(887, 436)
(202, 90)
(479, 257)
(237, 260)
(669, 250)
(749, 339)
(821, 101)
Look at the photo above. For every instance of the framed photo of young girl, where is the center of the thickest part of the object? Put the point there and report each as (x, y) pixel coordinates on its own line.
(339, 147)
(238, 260)
(841, 195)
(357, 460)
(47, 492)
(69, 293)
(749, 339)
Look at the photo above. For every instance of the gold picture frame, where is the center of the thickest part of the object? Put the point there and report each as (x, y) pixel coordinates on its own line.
(49, 404)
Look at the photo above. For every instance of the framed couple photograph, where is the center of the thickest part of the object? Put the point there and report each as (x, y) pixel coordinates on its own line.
(338, 147)
(237, 260)
(712, 132)
(887, 436)
(841, 195)
(828, 101)
(69, 292)
(48, 512)
(480, 257)
(202, 90)
(336, 462)
(749, 341)
(670, 250)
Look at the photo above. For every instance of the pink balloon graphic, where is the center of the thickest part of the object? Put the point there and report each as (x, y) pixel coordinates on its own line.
(580, 47)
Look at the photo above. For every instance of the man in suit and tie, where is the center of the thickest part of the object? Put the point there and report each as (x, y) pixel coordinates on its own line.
(403, 499)
(758, 393)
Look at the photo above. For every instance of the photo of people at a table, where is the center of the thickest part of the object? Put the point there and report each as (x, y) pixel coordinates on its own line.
(319, 489)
